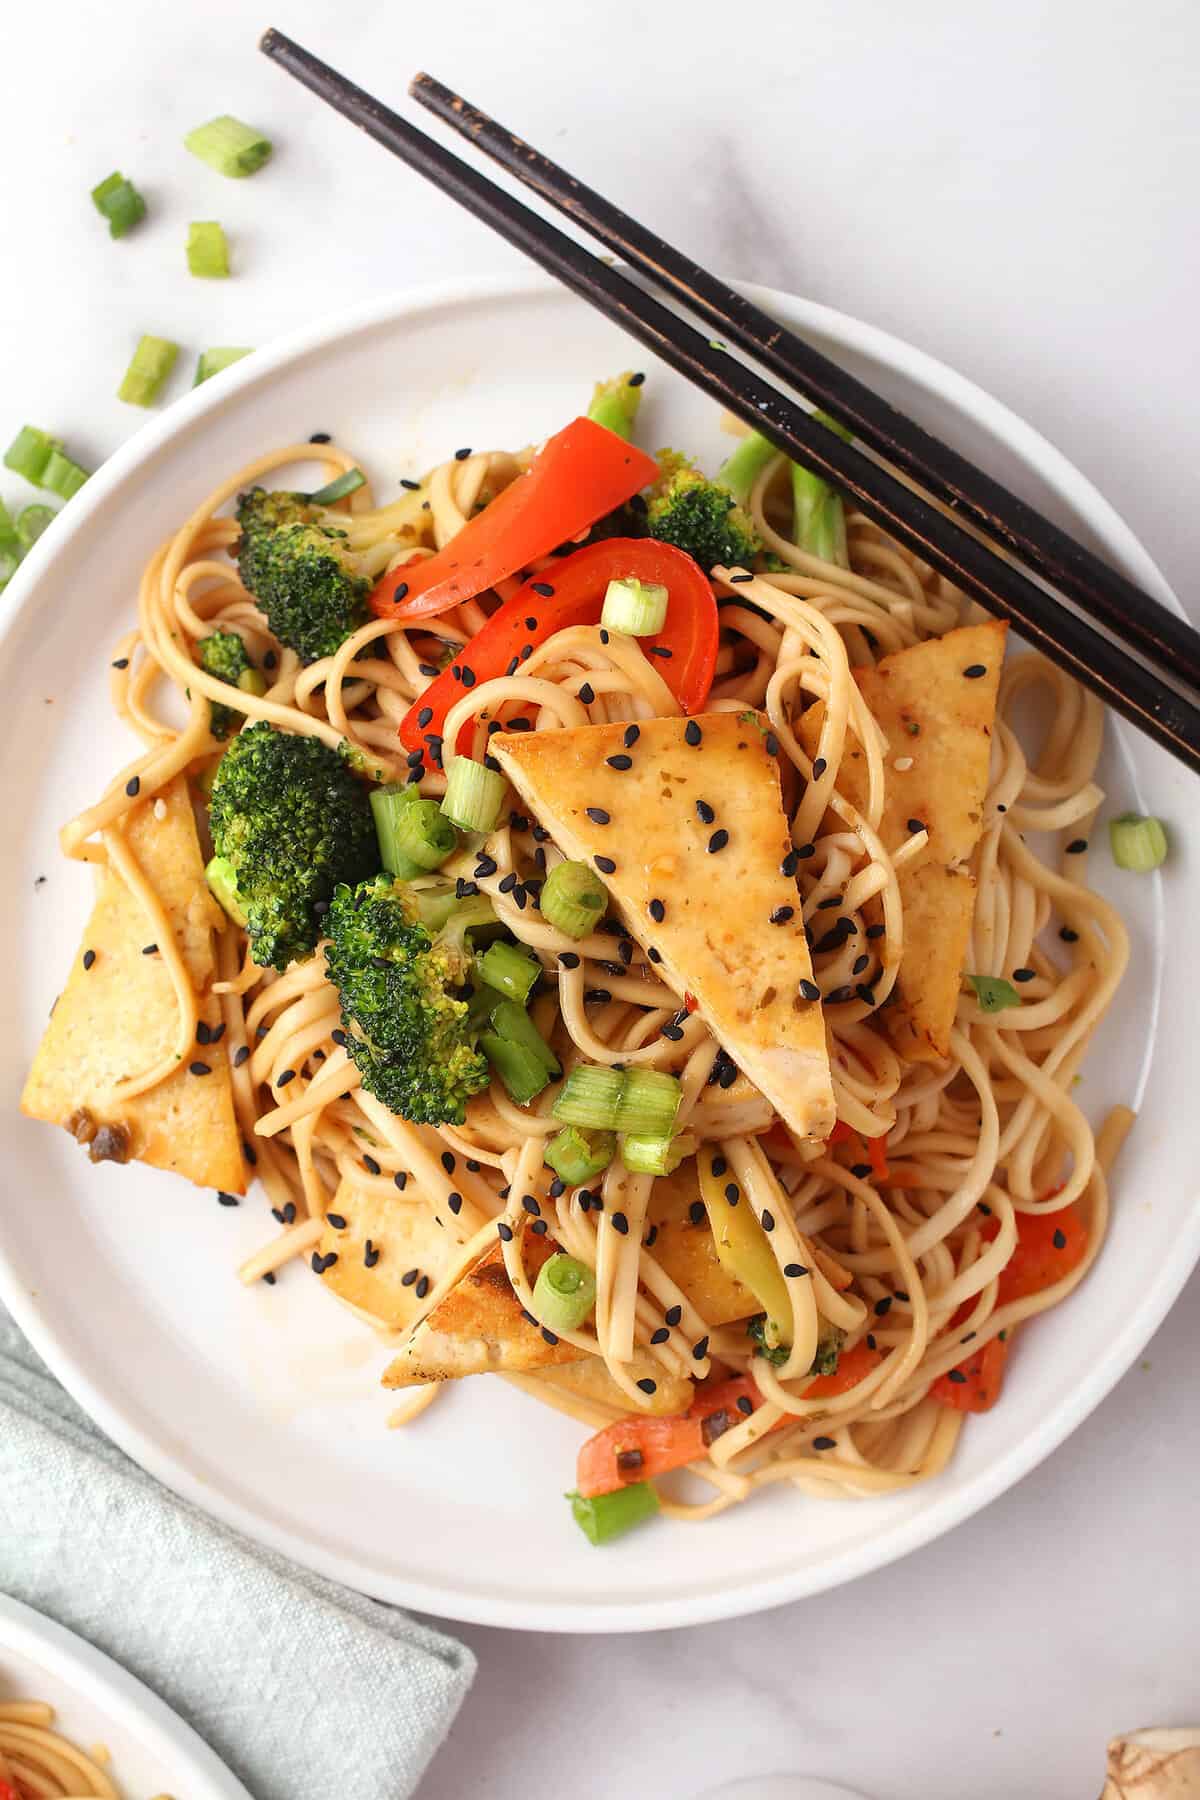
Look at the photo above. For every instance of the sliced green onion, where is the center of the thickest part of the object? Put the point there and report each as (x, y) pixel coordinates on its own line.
(818, 516)
(512, 1023)
(388, 804)
(9, 563)
(573, 899)
(152, 362)
(474, 795)
(211, 362)
(443, 914)
(615, 404)
(32, 521)
(422, 835)
(635, 608)
(994, 993)
(577, 1156)
(222, 884)
(228, 146)
(339, 487)
(743, 466)
(252, 681)
(118, 201)
(590, 1096)
(510, 970)
(8, 531)
(62, 476)
(1137, 843)
(207, 249)
(609, 1516)
(648, 1103)
(29, 453)
(564, 1293)
(522, 1071)
(646, 1154)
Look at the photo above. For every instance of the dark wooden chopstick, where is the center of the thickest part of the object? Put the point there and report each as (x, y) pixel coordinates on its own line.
(1142, 622)
(1167, 717)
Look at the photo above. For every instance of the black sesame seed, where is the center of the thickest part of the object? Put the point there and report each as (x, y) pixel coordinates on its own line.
(736, 580)
(745, 1405)
(320, 437)
(508, 883)
(504, 1230)
(539, 1228)
(809, 990)
(789, 863)
(149, 949)
(540, 587)
(771, 744)
(647, 1386)
(409, 1276)
(587, 693)
(824, 1443)
(804, 851)
(132, 785)
(270, 658)
(526, 652)
(1068, 936)
(860, 963)
(370, 1165)
(513, 666)
(876, 931)
(696, 1212)
(705, 812)
(975, 671)
(462, 455)
(454, 1202)
(660, 1336)
(860, 1170)
(660, 650)
(632, 734)
(122, 662)
(819, 768)
(767, 1219)
(224, 1199)
(486, 865)
(718, 840)
(1059, 1240)
(883, 1307)
(241, 1055)
(915, 825)
(620, 761)
(199, 1068)
(370, 1254)
(692, 733)
(413, 487)
(606, 865)
(422, 1287)
(794, 1270)
(782, 914)
(865, 994)
(733, 1193)
(1077, 846)
(557, 1186)
(89, 957)
(596, 996)
(203, 1033)
(657, 911)
(956, 1376)
(250, 1153)
(1024, 974)
(337, 1220)
(429, 669)
(568, 959)
(620, 1223)
(531, 1206)
(598, 816)
(839, 996)
(289, 1213)
(287, 1075)
(449, 1161)
(700, 1349)
(400, 1179)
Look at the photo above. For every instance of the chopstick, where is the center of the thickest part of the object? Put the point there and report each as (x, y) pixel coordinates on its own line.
(1171, 719)
(1103, 592)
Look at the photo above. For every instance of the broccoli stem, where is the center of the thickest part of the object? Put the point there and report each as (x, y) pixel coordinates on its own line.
(615, 404)
(818, 516)
(743, 466)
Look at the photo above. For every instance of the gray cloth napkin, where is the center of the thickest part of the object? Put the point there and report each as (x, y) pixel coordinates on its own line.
(304, 1689)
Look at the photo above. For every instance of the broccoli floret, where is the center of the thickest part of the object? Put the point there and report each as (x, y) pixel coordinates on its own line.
(311, 568)
(291, 821)
(698, 515)
(829, 1346)
(403, 971)
(224, 655)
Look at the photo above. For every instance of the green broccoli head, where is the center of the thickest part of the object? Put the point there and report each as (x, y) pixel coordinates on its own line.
(223, 654)
(405, 987)
(292, 821)
(829, 1346)
(297, 561)
(698, 515)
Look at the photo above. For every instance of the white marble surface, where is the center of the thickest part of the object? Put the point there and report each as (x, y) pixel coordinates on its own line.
(1011, 184)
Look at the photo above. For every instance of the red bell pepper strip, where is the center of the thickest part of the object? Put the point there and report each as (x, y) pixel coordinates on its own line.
(974, 1386)
(578, 476)
(572, 593)
(640, 1448)
(1049, 1246)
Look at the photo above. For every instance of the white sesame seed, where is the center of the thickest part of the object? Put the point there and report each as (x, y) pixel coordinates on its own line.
(160, 809)
(901, 763)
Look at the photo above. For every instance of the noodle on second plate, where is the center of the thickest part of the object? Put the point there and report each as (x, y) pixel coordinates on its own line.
(973, 1145)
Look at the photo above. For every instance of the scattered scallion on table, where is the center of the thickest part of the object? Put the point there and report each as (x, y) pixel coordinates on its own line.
(147, 373)
(609, 1516)
(29, 453)
(211, 362)
(32, 520)
(118, 201)
(62, 475)
(1138, 843)
(229, 146)
(207, 249)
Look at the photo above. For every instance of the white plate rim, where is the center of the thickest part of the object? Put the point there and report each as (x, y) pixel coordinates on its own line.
(755, 1594)
(90, 1674)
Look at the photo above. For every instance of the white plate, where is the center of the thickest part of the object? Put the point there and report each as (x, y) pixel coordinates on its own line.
(263, 1407)
(97, 1702)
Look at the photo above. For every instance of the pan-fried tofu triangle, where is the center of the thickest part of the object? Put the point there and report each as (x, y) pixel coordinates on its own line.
(689, 818)
(118, 1015)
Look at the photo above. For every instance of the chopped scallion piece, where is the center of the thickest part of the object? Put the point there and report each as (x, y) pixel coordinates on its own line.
(1137, 843)
(609, 1516)
(118, 201)
(8, 531)
(511, 970)
(474, 795)
(423, 834)
(645, 1154)
(152, 362)
(339, 487)
(577, 1156)
(29, 453)
(222, 883)
(228, 146)
(207, 249)
(512, 1023)
(590, 1096)
(62, 476)
(211, 362)
(32, 521)
(635, 608)
(522, 1070)
(743, 466)
(615, 404)
(9, 562)
(564, 1293)
(648, 1103)
(818, 516)
(994, 993)
(573, 899)
(388, 804)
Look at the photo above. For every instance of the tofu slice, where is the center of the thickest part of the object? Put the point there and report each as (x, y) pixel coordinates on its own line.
(938, 721)
(399, 1236)
(590, 1380)
(119, 1015)
(716, 941)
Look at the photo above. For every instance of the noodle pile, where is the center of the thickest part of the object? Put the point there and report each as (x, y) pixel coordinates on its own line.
(987, 1137)
(39, 1763)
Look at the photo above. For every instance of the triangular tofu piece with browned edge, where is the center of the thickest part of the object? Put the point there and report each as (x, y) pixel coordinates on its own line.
(118, 1015)
(376, 1250)
(685, 817)
(936, 705)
